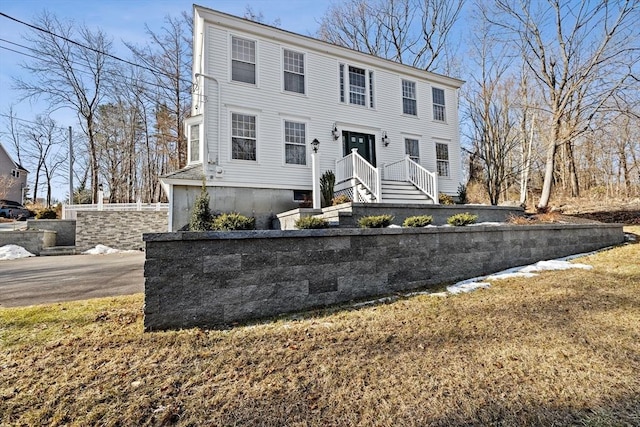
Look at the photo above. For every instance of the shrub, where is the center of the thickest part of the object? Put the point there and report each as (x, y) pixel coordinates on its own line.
(201, 216)
(462, 194)
(47, 213)
(311, 222)
(233, 221)
(340, 199)
(417, 221)
(375, 221)
(445, 199)
(462, 219)
(327, 182)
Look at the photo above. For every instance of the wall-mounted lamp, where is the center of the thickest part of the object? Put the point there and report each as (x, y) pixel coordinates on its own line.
(385, 138)
(314, 145)
(335, 133)
(100, 188)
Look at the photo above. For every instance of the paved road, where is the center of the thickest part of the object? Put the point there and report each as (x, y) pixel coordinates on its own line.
(39, 280)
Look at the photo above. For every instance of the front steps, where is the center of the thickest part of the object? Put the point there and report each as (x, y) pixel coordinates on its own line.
(404, 193)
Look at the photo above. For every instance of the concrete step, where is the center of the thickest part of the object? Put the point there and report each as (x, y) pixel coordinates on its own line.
(58, 250)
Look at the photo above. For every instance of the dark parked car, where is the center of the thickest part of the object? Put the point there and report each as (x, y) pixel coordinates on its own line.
(10, 209)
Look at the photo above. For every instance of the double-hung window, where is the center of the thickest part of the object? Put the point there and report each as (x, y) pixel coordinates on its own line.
(295, 138)
(409, 103)
(243, 136)
(356, 85)
(243, 60)
(442, 159)
(194, 143)
(293, 71)
(438, 104)
(412, 149)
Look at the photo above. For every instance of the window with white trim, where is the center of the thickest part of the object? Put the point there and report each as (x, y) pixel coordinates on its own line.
(412, 149)
(243, 136)
(194, 143)
(409, 103)
(356, 85)
(293, 65)
(243, 60)
(15, 173)
(442, 159)
(438, 104)
(295, 143)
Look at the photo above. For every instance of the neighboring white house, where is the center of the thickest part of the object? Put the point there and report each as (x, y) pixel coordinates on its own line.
(13, 178)
(261, 97)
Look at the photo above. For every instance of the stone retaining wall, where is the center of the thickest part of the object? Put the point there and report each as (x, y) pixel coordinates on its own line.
(117, 229)
(218, 278)
(32, 240)
(65, 229)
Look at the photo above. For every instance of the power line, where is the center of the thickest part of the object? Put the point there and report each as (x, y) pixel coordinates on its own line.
(153, 71)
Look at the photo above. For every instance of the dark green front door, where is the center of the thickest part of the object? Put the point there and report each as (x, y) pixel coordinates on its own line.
(365, 143)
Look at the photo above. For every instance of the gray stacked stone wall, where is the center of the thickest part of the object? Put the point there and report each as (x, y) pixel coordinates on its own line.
(218, 278)
(65, 229)
(117, 229)
(33, 241)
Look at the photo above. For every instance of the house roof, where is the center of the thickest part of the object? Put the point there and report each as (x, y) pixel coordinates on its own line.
(228, 20)
(15, 165)
(193, 172)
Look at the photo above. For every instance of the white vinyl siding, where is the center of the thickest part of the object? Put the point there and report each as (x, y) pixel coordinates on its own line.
(409, 104)
(243, 60)
(442, 159)
(412, 149)
(438, 104)
(293, 65)
(243, 137)
(295, 140)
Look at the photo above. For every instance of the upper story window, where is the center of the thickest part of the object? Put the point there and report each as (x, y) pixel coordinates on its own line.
(194, 143)
(442, 159)
(412, 149)
(409, 103)
(15, 173)
(295, 140)
(438, 104)
(293, 71)
(243, 136)
(356, 85)
(243, 60)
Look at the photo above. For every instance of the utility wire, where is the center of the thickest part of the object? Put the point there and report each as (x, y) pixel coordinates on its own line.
(154, 71)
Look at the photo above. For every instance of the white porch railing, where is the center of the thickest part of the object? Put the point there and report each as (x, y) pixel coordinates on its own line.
(408, 170)
(354, 166)
(70, 211)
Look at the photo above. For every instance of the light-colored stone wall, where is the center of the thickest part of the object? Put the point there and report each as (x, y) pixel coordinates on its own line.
(218, 278)
(117, 229)
(65, 229)
(32, 240)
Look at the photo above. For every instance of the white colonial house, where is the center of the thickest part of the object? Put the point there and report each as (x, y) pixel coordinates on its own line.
(270, 105)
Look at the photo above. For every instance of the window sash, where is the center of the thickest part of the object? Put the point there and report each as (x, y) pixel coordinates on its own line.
(293, 71)
(357, 86)
(442, 159)
(409, 103)
(243, 60)
(243, 137)
(295, 143)
(438, 104)
(194, 143)
(412, 149)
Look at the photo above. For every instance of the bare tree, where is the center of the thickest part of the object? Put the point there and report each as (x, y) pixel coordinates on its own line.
(581, 54)
(71, 71)
(414, 32)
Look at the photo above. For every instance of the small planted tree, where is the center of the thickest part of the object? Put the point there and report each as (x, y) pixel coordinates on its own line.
(201, 215)
(327, 182)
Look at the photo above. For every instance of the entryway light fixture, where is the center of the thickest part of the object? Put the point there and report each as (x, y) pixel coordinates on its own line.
(385, 138)
(335, 132)
(314, 144)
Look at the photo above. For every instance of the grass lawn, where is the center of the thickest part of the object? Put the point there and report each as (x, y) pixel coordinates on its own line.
(562, 348)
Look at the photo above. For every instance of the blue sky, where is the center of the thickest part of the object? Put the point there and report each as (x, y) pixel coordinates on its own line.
(122, 20)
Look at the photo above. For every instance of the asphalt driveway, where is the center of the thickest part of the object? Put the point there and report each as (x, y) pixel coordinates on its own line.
(39, 280)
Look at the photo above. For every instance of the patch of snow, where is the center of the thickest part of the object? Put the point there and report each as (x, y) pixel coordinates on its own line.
(394, 226)
(461, 287)
(102, 249)
(553, 265)
(8, 252)
(494, 224)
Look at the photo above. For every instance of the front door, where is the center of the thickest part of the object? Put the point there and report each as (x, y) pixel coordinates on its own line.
(365, 143)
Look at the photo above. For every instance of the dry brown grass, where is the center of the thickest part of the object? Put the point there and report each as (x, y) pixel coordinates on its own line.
(559, 349)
